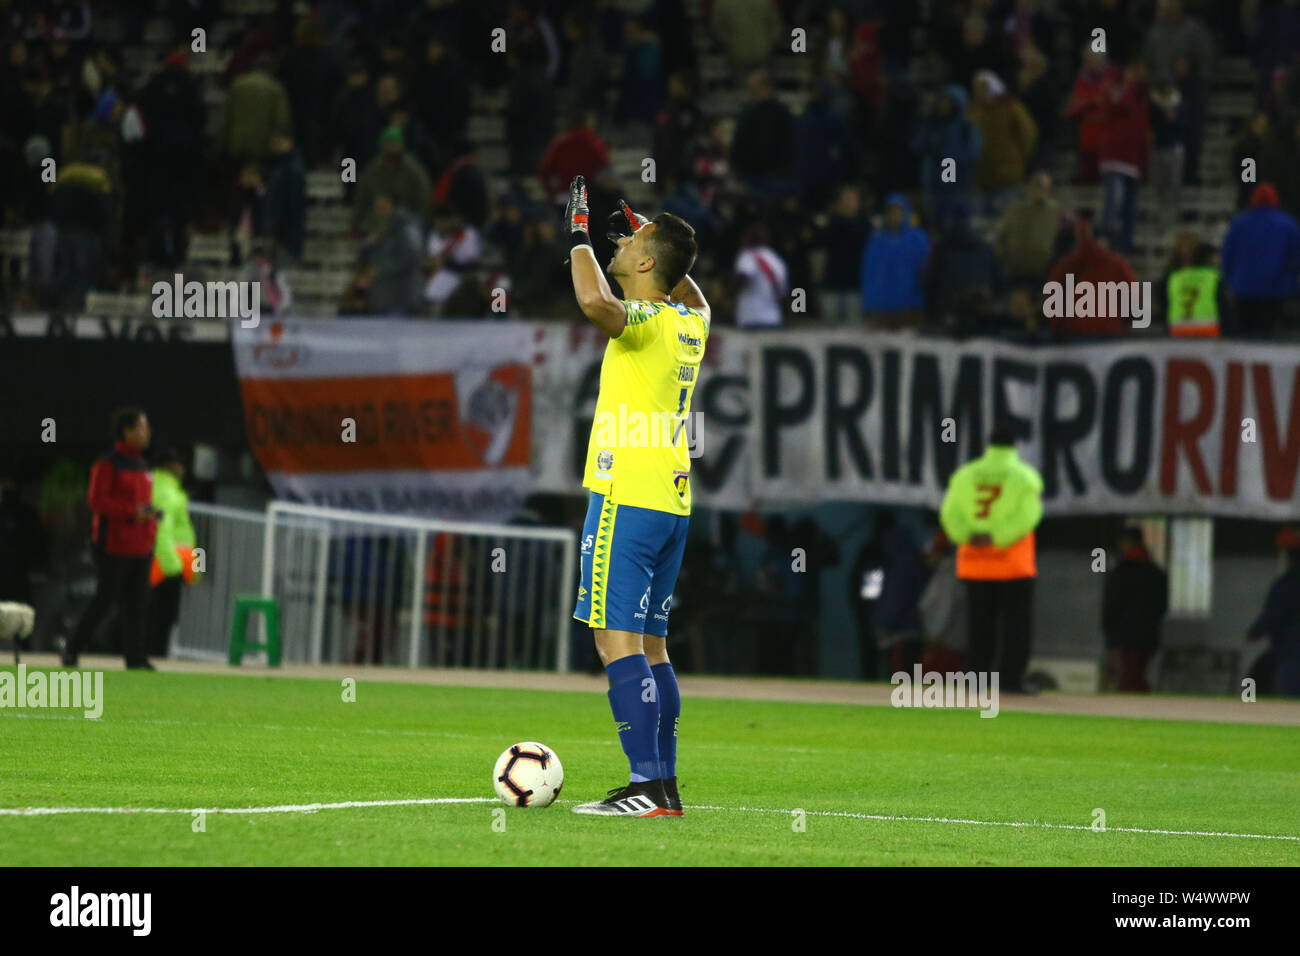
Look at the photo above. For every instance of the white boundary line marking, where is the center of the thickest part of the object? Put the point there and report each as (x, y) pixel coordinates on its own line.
(998, 823)
(283, 808)
(429, 801)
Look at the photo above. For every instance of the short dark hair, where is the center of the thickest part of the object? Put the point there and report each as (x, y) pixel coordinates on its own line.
(674, 249)
(124, 418)
(1002, 435)
(1131, 535)
(168, 455)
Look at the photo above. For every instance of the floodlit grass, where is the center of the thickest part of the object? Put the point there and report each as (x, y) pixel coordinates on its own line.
(178, 741)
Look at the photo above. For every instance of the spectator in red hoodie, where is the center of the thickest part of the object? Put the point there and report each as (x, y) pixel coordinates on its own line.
(578, 151)
(122, 537)
(1088, 262)
(1124, 149)
(1088, 106)
(864, 73)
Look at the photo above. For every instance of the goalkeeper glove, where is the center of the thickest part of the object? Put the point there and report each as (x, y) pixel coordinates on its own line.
(576, 213)
(624, 222)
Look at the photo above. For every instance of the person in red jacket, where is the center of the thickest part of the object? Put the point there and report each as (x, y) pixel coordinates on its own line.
(1124, 149)
(578, 151)
(1088, 105)
(122, 538)
(1089, 262)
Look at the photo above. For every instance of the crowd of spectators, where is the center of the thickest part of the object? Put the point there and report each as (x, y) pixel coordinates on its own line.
(917, 187)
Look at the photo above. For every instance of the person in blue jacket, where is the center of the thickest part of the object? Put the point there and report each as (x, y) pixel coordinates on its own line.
(1261, 262)
(945, 133)
(891, 269)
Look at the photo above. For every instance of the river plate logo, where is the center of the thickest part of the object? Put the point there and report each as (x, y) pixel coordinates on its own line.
(489, 400)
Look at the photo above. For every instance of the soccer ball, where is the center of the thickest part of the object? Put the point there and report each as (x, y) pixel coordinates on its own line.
(528, 775)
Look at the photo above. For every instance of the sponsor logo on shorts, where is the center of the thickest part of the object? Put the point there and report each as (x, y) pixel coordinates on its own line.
(587, 543)
(665, 607)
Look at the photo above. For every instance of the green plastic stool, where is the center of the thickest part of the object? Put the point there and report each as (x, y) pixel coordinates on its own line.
(245, 604)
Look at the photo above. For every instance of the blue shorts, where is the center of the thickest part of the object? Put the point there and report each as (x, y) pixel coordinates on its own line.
(630, 560)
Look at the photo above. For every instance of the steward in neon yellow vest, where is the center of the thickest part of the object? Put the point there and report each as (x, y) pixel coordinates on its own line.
(1194, 297)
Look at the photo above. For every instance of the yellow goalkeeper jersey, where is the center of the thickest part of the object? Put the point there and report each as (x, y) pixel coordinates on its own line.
(638, 453)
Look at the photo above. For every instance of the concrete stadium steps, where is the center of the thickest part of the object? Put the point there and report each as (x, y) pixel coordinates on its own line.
(119, 305)
(493, 159)
(330, 253)
(1235, 71)
(1231, 104)
(1208, 202)
(487, 128)
(208, 249)
(318, 283)
(488, 101)
(315, 307)
(325, 185)
(14, 246)
(328, 219)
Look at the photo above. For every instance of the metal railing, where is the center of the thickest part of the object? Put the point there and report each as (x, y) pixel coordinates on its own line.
(369, 588)
(231, 539)
(359, 587)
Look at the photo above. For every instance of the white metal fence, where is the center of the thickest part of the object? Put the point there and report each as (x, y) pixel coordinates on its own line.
(231, 539)
(365, 588)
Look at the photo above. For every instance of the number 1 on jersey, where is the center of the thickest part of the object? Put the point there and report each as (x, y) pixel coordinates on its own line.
(681, 415)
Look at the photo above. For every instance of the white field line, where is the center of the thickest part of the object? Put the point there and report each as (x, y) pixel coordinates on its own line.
(998, 823)
(355, 804)
(283, 808)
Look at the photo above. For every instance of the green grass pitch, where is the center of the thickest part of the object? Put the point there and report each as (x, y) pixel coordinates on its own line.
(183, 741)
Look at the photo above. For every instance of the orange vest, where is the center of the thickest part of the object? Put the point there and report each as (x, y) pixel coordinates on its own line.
(997, 564)
(444, 575)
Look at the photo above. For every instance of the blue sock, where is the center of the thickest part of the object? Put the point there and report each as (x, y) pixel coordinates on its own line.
(670, 709)
(634, 699)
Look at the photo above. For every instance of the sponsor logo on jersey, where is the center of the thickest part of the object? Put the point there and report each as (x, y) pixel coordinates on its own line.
(693, 341)
(679, 482)
(605, 463)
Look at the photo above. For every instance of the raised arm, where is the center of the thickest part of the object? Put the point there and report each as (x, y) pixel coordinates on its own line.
(689, 295)
(595, 298)
(589, 285)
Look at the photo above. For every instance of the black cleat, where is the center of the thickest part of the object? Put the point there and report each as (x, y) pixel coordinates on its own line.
(645, 799)
(674, 801)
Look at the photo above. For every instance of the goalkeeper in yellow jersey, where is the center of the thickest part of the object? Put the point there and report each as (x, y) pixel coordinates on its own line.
(638, 475)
